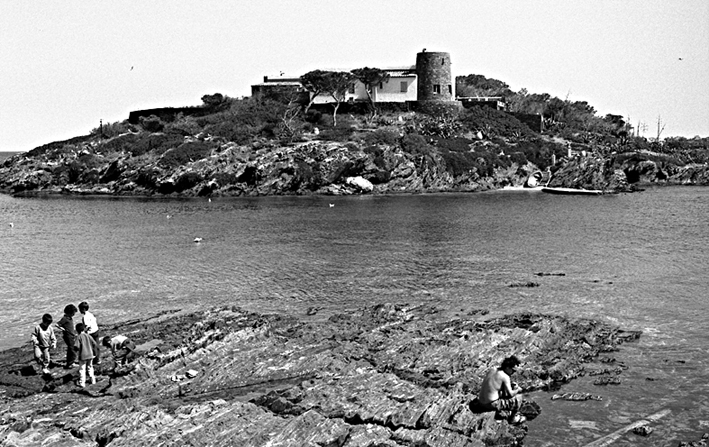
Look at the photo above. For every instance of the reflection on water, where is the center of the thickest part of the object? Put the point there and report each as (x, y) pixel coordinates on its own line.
(636, 260)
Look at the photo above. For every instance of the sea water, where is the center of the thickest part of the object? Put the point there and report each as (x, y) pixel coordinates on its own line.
(638, 260)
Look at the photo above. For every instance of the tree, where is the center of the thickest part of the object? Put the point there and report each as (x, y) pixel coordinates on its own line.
(213, 100)
(288, 127)
(371, 77)
(479, 85)
(336, 84)
(314, 82)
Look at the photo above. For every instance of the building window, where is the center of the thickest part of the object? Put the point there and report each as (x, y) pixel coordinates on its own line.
(352, 88)
(443, 61)
(381, 86)
(436, 88)
(450, 89)
(404, 86)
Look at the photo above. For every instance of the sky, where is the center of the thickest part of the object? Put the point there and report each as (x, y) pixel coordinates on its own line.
(64, 66)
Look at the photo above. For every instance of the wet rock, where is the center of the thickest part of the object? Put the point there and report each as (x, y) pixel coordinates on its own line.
(576, 396)
(643, 430)
(390, 375)
(525, 284)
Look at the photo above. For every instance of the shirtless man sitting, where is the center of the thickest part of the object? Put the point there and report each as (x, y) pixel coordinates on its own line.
(499, 394)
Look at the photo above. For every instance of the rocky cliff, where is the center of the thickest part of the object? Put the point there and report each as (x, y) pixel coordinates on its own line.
(255, 169)
(387, 375)
(384, 160)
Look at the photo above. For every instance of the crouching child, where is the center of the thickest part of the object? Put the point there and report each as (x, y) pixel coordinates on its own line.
(121, 347)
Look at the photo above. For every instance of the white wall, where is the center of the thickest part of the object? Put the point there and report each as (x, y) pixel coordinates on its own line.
(391, 92)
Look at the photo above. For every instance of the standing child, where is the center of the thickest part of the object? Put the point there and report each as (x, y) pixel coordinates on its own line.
(85, 346)
(89, 321)
(43, 339)
(66, 325)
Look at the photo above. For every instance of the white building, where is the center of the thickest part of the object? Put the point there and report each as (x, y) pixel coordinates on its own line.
(401, 87)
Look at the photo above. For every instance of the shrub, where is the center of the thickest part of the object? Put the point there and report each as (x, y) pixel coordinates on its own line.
(74, 171)
(237, 133)
(139, 144)
(540, 152)
(123, 143)
(459, 163)
(377, 154)
(47, 148)
(186, 153)
(89, 161)
(415, 144)
(339, 133)
(457, 144)
(110, 130)
(152, 123)
(183, 125)
(314, 117)
(381, 136)
(439, 109)
(438, 126)
(245, 120)
(519, 158)
(492, 122)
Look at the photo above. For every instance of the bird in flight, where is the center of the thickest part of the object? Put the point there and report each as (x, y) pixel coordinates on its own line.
(131, 68)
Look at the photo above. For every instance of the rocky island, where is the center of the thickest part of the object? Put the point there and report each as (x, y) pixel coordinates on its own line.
(386, 375)
(257, 146)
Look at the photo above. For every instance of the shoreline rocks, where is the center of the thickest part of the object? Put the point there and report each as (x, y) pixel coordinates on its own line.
(389, 374)
(314, 167)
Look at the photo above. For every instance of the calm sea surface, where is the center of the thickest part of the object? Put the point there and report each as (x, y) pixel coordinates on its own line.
(637, 260)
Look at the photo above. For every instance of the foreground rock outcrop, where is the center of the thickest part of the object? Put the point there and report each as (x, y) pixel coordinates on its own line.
(388, 375)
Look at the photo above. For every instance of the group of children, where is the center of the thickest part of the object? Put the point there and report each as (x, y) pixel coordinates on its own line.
(82, 342)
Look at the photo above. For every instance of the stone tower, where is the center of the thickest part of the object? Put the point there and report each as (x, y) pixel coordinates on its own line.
(434, 76)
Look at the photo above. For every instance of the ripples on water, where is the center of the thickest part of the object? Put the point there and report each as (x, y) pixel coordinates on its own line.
(636, 260)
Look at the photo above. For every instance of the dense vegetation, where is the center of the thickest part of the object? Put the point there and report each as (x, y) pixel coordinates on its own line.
(475, 140)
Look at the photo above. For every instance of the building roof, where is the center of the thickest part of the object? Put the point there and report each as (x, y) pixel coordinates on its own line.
(272, 83)
(282, 79)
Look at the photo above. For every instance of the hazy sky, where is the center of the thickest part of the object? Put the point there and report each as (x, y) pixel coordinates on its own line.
(66, 65)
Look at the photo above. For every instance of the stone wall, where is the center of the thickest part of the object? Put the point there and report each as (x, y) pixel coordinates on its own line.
(434, 76)
(281, 92)
(166, 113)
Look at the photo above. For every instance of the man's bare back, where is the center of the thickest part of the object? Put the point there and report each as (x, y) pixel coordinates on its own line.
(498, 394)
(495, 384)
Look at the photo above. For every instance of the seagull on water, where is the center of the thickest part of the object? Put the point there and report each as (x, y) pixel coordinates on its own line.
(332, 205)
(12, 225)
(198, 240)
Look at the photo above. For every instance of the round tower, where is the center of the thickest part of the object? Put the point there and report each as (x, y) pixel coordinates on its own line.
(434, 76)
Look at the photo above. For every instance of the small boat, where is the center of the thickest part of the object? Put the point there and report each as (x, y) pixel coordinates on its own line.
(572, 191)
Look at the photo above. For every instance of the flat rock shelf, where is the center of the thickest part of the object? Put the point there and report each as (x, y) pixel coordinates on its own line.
(385, 375)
